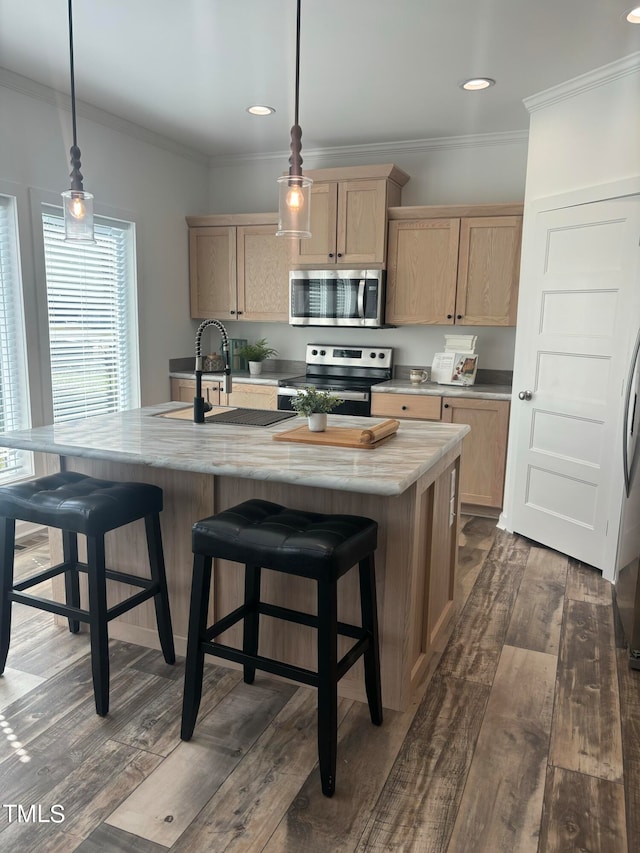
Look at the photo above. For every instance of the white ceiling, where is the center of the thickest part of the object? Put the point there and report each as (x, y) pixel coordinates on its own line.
(371, 71)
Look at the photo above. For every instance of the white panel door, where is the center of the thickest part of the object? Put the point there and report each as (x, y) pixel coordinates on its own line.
(572, 359)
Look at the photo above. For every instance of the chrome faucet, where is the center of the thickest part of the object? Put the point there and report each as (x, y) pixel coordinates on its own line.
(200, 405)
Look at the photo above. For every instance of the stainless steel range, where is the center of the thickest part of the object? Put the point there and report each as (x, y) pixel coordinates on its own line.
(349, 372)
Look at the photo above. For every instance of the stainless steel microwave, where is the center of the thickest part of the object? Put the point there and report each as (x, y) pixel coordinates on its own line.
(352, 298)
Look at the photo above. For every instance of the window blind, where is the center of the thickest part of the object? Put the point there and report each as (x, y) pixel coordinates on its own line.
(14, 411)
(88, 298)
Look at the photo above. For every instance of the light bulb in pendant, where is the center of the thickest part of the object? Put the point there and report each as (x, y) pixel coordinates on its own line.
(295, 198)
(77, 208)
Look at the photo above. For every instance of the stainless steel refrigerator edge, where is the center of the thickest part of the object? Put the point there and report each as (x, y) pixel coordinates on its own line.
(627, 586)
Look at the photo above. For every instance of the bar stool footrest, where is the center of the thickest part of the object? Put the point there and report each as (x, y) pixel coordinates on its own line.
(149, 588)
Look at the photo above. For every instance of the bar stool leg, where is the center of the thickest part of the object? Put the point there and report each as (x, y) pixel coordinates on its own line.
(158, 574)
(71, 578)
(7, 546)
(251, 620)
(369, 610)
(98, 622)
(194, 665)
(327, 684)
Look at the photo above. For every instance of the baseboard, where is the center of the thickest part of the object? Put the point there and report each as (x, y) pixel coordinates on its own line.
(483, 511)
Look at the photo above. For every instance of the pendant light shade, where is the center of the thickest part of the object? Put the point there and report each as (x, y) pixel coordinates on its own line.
(294, 189)
(78, 204)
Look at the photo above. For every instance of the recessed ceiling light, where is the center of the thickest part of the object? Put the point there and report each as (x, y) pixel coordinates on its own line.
(260, 110)
(475, 84)
(634, 16)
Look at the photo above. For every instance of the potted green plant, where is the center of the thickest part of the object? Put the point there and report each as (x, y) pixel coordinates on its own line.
(314, 405)
(256, 353)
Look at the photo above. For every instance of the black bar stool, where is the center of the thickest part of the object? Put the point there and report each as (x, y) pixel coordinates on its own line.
(76, 504)
(266, 535)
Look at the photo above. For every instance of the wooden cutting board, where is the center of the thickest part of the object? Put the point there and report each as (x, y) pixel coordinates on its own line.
(363, 439)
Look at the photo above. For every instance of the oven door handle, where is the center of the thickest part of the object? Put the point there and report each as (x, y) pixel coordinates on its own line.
(361, 291)
(356, 396)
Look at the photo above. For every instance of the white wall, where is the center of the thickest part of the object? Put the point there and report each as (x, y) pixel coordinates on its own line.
(586, 132)
(156, 186)
(475, 170)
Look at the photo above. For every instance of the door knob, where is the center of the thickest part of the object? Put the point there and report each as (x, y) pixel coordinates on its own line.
(525, 395)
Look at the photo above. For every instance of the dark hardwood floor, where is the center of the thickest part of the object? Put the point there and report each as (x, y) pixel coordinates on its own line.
(524, 737)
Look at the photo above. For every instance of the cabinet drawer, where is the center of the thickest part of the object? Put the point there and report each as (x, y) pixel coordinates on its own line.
(422, 407)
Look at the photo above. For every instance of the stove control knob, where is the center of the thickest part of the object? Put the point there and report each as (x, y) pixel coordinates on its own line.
(372, 355)
(314, 352)
(380, 355)
(323, 352)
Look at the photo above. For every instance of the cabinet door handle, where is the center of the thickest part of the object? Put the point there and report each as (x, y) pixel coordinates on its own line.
(330, 254)
(339, 254)
(404, 408)
(458, 316)
(232, 312)
(446, 405)
(239, 312)
(449, 316)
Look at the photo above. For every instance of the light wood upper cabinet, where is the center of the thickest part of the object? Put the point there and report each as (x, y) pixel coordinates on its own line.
(320, 248)
(212, 271)
(238, 268)
(453, 269)
(349, 216)
(422, 271)
(263, 262)
(484, 452)
(488, 271)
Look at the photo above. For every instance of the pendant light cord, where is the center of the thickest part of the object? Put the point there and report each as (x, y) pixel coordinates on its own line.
(297, 63)
(73, 82)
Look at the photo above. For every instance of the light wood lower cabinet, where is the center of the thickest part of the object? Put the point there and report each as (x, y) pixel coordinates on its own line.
(184, 390)
(420, 407)
(485, 448)
(251, 396)
(244, 394)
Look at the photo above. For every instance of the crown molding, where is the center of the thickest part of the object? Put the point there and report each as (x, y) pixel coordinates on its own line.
(624, 67)
(383, 150)
(60, 100)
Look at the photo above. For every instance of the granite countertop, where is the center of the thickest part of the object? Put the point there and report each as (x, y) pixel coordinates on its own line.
(138, 437)
(482, 391)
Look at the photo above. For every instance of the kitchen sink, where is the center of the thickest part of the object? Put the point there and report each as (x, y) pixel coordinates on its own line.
(231, 415)
(249, 417)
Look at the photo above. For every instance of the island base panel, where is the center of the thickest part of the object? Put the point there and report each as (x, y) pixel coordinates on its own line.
(415, 567)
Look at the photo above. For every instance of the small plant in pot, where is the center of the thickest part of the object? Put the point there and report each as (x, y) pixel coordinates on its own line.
(314, 405)
(256, 354)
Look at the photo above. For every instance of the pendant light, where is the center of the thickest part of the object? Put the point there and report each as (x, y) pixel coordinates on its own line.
(294, 189)
(78, 204)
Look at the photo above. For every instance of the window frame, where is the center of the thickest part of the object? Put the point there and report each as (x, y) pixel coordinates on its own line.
(126, 297)
(38, 199)
(21, 388)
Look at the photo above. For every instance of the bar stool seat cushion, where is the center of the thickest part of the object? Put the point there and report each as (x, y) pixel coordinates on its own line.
(266, 534)
(73, 501)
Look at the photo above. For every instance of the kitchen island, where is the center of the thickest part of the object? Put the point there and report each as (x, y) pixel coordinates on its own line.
(408, 484)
